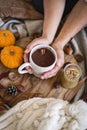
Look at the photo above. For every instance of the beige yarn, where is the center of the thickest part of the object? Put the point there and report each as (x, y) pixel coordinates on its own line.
(45, 114)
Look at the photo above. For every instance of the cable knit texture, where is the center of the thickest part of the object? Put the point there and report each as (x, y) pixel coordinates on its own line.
(45, 114)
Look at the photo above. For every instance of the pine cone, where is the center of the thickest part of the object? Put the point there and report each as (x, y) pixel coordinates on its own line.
(12, 90)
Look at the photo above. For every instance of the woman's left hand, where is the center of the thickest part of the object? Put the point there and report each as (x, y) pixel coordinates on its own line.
(59, 64)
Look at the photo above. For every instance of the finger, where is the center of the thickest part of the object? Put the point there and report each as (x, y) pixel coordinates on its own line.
(31, 45)
(26, 57)
(51, 73)
(47, 77)
(36, 42)
(54, 71)
(29, 69)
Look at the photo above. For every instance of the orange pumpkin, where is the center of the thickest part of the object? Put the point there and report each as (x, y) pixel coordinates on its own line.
(6, 38)
(12, 56)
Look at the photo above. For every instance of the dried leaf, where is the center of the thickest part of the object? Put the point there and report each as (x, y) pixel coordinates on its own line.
(3, 75)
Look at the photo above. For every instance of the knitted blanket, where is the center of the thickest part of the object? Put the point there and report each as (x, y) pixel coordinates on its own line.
(45, 114)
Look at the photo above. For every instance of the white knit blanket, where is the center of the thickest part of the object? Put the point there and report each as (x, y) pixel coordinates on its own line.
(45, 114)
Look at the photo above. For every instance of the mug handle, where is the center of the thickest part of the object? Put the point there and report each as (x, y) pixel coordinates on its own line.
(21, 69)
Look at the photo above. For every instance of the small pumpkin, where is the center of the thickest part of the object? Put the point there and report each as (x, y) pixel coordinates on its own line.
(12, 56)
(6, 38)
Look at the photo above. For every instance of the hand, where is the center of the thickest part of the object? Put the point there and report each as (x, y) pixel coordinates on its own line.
(40, 40)
(59, 64)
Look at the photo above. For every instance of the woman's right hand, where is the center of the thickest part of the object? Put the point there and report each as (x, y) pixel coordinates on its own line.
(40, 40)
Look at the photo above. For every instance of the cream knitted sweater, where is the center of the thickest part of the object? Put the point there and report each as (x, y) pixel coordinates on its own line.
(45, 114)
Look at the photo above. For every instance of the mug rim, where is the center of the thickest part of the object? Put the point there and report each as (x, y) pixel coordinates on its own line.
(42, 46)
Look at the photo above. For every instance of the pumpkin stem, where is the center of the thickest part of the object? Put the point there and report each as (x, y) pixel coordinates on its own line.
(12, 52)
(5, 34)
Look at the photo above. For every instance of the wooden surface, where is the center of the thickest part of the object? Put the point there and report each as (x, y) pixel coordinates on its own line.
(30, 86)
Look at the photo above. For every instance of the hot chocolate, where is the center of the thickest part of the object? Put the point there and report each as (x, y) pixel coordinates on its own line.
(43, 57)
